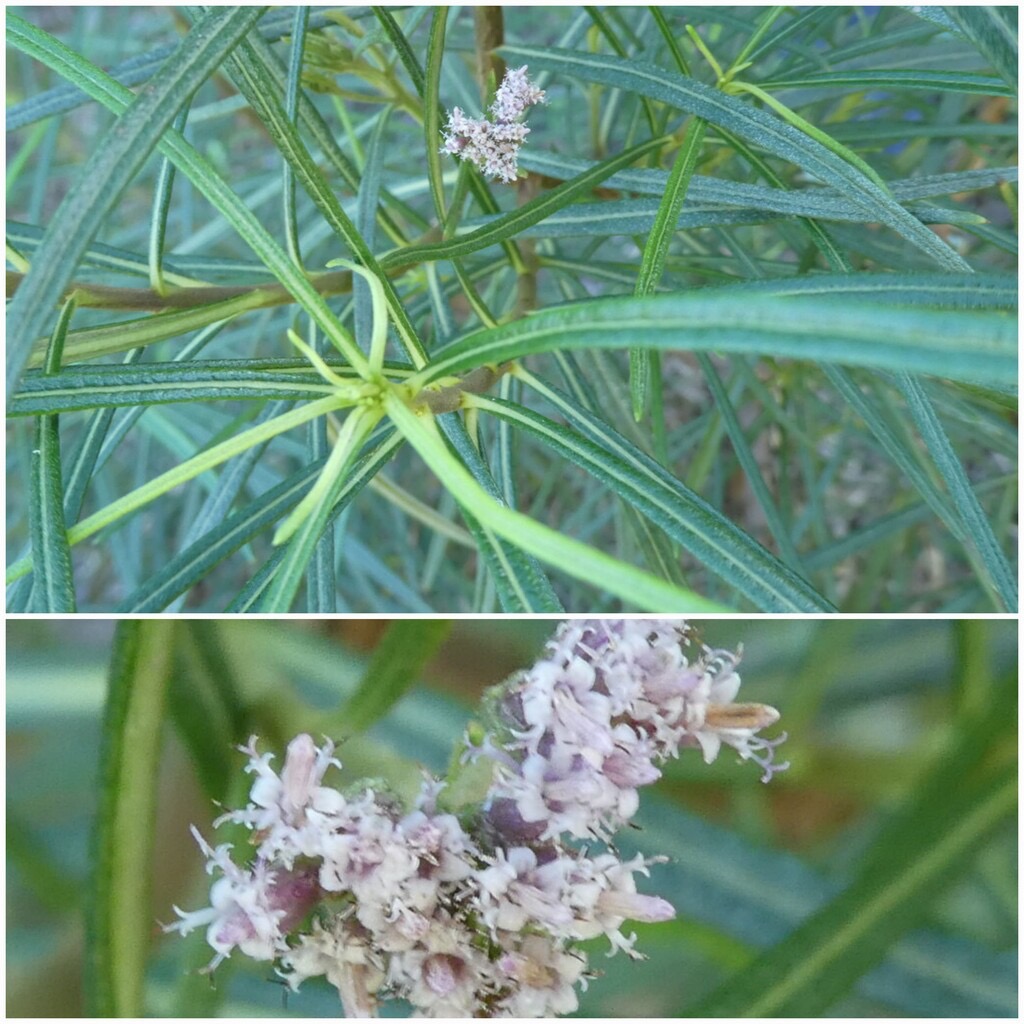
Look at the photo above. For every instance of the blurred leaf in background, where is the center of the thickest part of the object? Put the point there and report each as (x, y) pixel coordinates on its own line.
(877, 877)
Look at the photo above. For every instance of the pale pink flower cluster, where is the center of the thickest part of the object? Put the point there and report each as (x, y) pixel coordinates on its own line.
(582, 730)
(480, 914)
(493, 144)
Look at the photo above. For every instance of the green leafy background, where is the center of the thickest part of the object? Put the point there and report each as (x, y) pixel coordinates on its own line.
(875, 878)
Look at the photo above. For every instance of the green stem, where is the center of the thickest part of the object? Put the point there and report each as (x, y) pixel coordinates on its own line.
(571, 556)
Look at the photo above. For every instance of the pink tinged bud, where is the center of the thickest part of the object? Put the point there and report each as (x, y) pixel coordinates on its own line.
(412, 926)
(575, 788)
(441, 973)
(635, 907)
(299, 775)
(541, 906)
(629, 770)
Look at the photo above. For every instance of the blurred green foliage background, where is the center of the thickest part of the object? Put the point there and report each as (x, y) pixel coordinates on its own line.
(873, 709)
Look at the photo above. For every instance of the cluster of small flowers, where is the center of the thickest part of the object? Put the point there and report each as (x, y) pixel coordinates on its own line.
(479, 915)
(589, 723)
(493, 145)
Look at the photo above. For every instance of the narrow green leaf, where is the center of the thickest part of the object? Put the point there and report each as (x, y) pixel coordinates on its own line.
(759, 127)
(432, 108)
(405, 52)
(519, 581)
(669, 36)
(881, 132)
(753, 895)
(184, 270)
(811, 201)
(660, 553)
(115, 161)
(54, 586)
(808, 20)
(92, 388)
(314, 123)
(247, 599)
(976, 525)
(87, 455)
(193, 563)
(637, 216)
(135, 70)
(812, 131)
(606, 29)
(993, 30)
(959, 346)
(291, 103)
(398, 659)
(255, 81)
(230, 482)
(119, 921)
(214, 456)
(366, 214)
(749, 465)
(891, 78)
(206, 706)
(39, 870)
(652, 263)
(895, 43)
(161, 208)
(943, 291)
(896, 447)
(315, 512)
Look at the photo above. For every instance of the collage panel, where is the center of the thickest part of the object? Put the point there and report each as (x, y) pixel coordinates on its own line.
(497, 817)
(521, 309)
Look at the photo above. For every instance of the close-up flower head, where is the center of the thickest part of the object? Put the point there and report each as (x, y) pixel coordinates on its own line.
(480, 912)
(583, 817)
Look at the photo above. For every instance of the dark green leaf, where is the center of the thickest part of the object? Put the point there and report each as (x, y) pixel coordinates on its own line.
(53, 587)
(512, 223)
(976, 347)
(930, 841)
